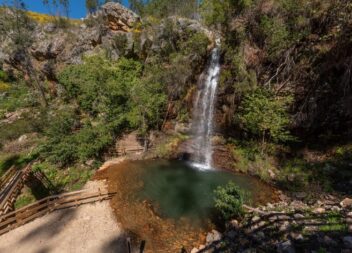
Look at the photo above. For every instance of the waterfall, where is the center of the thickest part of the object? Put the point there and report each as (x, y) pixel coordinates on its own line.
(203, 113)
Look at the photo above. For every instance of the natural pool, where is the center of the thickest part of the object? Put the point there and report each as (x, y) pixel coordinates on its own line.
(169, 203)
(178, 190)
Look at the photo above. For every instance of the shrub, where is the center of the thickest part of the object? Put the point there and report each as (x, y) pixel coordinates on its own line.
(229, 200)
(3, 76)
(17, 96)
(196, 44)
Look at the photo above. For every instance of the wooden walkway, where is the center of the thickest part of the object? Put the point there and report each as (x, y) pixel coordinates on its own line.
(49, 204)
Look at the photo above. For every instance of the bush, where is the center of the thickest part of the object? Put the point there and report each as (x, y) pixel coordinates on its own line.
(229, 200)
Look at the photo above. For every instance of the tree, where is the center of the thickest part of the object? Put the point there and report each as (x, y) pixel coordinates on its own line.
(56, 4)
(165, 8)
(137, 6)
(148, 102)
(114, 1)
(263, 114)
(16, 32)
(92, 5)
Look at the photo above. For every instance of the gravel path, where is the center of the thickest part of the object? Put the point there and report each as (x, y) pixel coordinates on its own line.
(89, 228)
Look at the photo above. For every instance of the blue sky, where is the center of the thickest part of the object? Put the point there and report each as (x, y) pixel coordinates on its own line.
(77, 7)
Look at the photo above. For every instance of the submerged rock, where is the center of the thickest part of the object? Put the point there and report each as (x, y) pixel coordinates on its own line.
(285, 247)
(347, 241)
(213, 236)
(347, 202)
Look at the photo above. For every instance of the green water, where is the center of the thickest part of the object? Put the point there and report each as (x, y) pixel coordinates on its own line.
(177, 190)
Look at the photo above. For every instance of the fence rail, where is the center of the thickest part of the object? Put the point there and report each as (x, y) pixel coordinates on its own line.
(49, 204)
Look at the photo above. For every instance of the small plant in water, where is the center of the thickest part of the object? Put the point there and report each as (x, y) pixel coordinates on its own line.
(229, 200)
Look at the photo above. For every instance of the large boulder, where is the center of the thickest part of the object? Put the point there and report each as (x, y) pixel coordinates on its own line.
(118, 17)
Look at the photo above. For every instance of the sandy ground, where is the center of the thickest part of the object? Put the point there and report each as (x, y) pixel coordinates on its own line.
(89, 228)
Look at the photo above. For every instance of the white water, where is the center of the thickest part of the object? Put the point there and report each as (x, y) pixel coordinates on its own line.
(204, 113)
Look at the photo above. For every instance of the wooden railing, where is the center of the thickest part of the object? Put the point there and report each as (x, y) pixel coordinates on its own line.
(49, 204)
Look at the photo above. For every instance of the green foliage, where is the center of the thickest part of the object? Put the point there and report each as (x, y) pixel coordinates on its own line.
(216, 12)
(196, 44)
(148, 102)
(17, 96)
(251, 160)
(277, 37)
(165, 8)
(99, 85)
(229, 200)
(24, 200)
(12, 131)
(264, 115)
(69, 142)
(69, 179)
(111, 97)
(3, 76)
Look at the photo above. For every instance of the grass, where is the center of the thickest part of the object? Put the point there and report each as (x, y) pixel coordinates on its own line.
(334, 223)
(25, 199)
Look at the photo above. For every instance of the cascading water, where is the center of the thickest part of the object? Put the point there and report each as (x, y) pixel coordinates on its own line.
(202, 124)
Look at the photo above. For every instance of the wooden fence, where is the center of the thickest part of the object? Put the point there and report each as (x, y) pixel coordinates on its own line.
(49, 204)
(7, 177)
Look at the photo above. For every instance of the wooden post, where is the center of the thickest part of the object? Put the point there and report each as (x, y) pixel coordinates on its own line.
(129, 245)
(142, 247)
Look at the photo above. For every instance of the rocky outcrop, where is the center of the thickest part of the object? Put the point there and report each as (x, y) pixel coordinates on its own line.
(45, 49)
(61, 46)
(118, 18)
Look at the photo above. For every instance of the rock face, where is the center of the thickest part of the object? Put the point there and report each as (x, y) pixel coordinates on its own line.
(118, 17)
(44, 50)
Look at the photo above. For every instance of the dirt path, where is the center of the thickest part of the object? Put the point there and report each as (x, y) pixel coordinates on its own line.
(88, 229)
